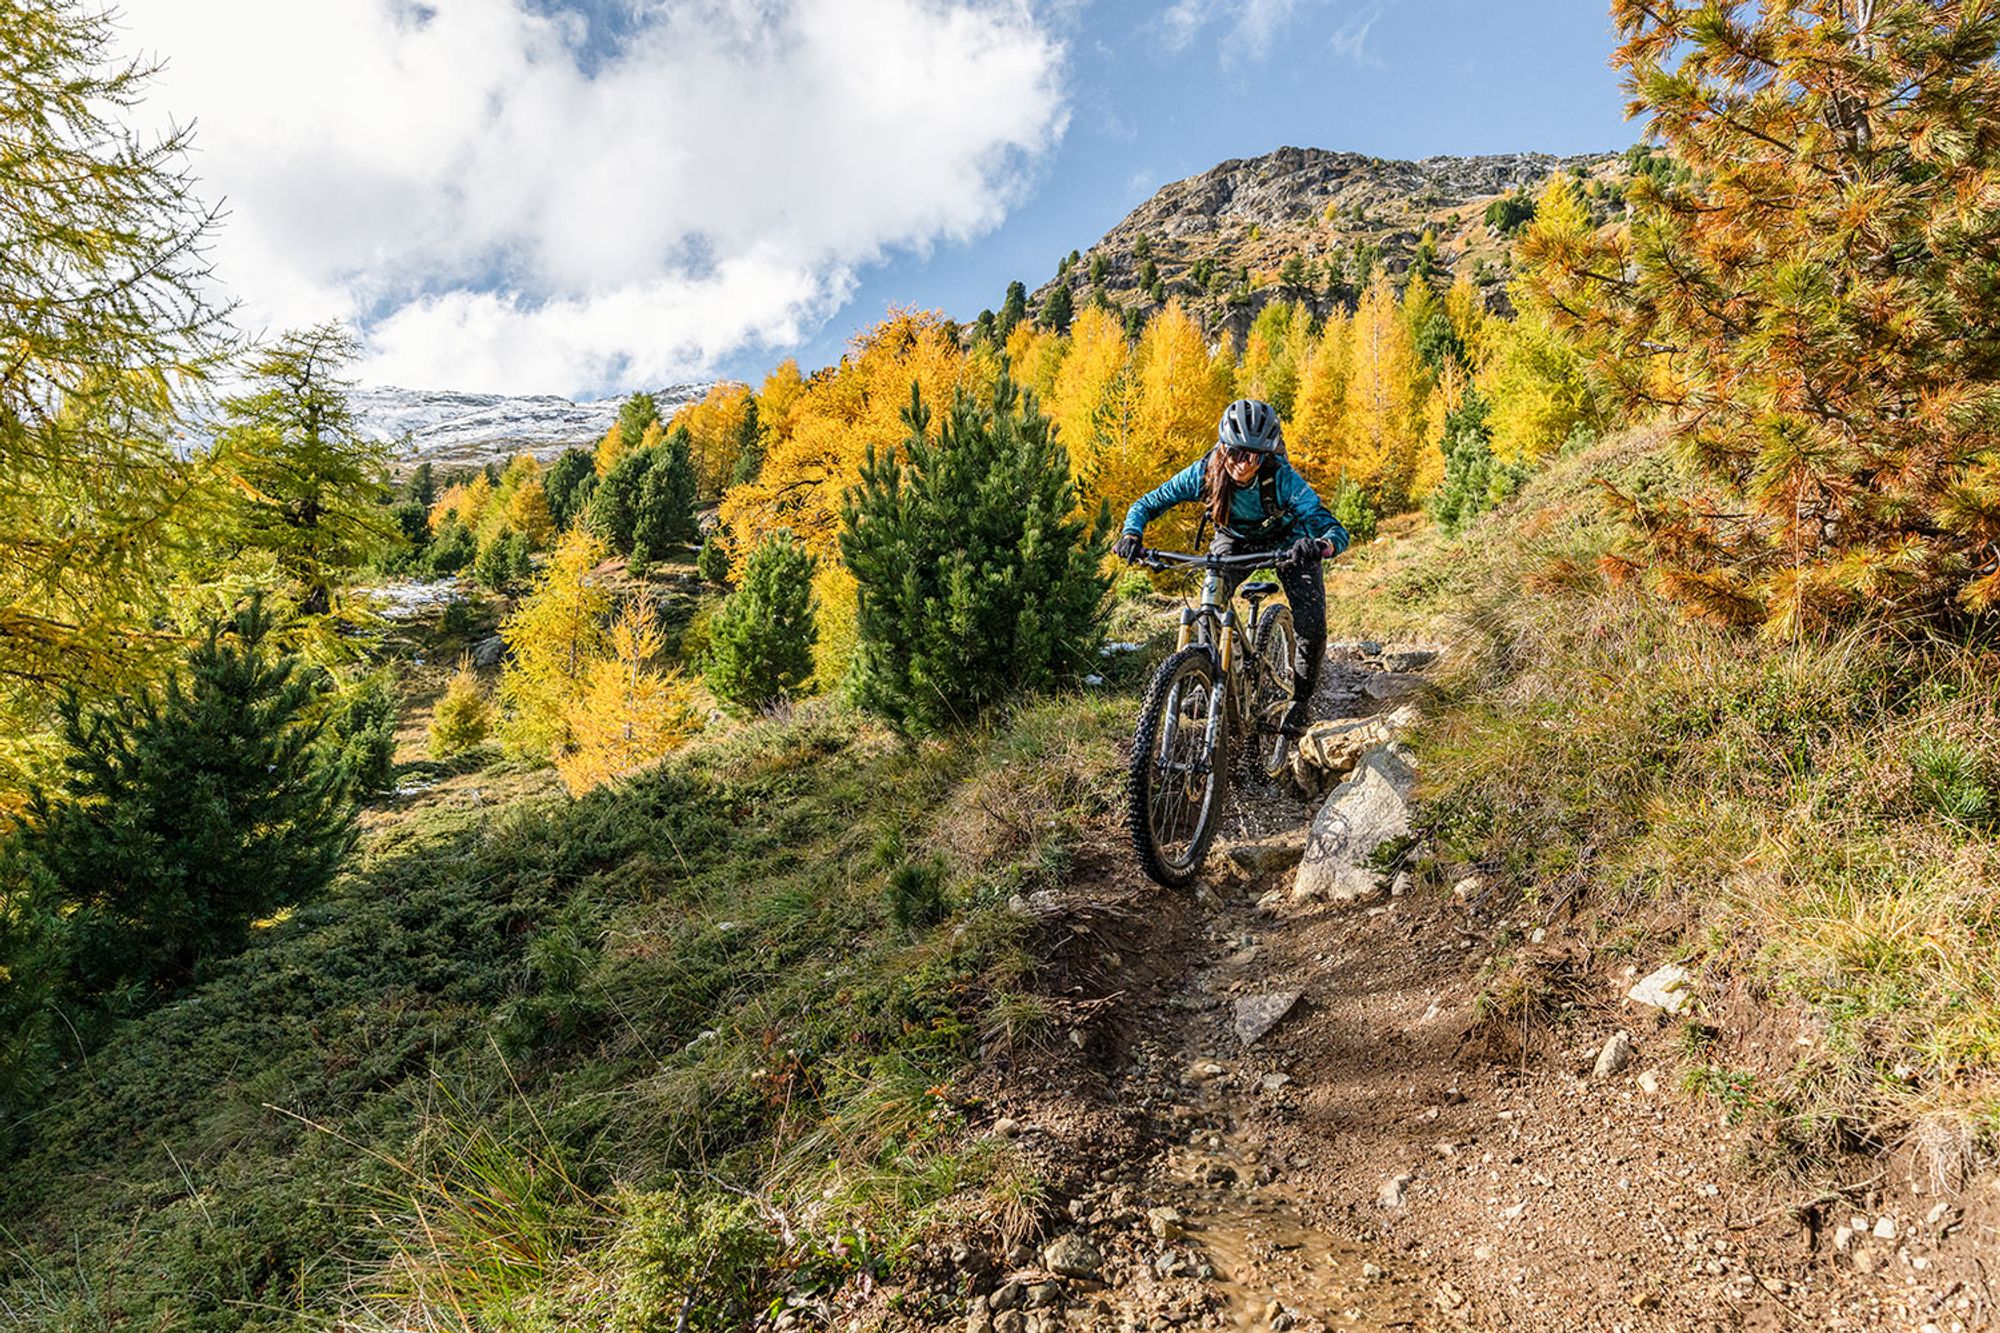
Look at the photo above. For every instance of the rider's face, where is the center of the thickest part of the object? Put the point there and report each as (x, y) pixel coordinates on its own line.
(1242, 465)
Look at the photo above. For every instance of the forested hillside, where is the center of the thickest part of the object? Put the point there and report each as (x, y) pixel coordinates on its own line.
(687, 882)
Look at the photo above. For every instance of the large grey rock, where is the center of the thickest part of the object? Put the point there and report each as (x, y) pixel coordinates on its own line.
(1389, 685)
(1329, 750)
(1368, 809)
(1406, 657)
(489, 652)
(1256, 1015)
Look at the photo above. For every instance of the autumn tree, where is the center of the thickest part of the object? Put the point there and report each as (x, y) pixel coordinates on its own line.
(1316, 432)
(1383, 410)
(627, 713)
(1814, 304)
(463, 717)
(310, 483)
(553, 637)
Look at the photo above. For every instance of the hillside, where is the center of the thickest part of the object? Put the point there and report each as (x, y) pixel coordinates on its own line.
(449, 428)
(1336, 211)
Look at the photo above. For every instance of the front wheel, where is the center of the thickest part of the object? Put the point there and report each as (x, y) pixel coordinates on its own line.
(1180, 768)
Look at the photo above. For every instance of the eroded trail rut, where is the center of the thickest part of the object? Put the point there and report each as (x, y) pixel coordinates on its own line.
(1387, 1157)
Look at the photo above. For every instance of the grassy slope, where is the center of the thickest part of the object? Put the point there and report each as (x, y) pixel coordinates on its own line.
(1811, 826)
(528, 1063)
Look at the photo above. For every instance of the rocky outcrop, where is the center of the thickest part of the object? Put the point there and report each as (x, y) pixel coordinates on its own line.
(1368, 809)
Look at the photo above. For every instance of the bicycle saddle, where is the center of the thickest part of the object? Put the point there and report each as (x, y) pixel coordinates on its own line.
(1257, 592)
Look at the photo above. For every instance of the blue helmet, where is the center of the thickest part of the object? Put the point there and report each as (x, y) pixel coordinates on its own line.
(1250, 425)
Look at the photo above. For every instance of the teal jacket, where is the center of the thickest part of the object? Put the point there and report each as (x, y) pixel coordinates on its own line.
(1297, 510)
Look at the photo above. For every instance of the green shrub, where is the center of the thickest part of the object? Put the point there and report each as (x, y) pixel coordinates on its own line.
(453, 549)
(975, 578)
(1956, 783)
(916, 894)
(684, 1261)
(760, 639)
(1352, 509)
(713, 562)
(504, 562)
(363, 734)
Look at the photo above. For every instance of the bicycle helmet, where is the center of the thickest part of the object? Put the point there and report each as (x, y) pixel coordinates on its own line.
(1250, 425)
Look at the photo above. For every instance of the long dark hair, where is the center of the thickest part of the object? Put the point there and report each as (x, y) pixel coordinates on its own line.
(1221, 486)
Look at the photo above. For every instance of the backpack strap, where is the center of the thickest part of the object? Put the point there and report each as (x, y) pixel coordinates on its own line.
(1267, 486)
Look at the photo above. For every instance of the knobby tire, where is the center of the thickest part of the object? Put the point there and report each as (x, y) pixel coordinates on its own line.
(1192, 666)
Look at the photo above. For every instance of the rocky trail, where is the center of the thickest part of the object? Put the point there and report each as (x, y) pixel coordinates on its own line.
(1282, 1106)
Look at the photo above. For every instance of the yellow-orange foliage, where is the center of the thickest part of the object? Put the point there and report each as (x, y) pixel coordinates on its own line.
(626, 715)
(1093, 402)
(778, 396)
(555, 635)
(528, 513)
(1384, 400)
(715, 433)
(1465, 307)
(467, 502)
(609, 450)
(1316, 435)
(1036, 356)
(1182, 389)
(815, 453)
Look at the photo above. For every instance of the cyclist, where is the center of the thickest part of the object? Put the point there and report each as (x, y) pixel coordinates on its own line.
(1258, 502)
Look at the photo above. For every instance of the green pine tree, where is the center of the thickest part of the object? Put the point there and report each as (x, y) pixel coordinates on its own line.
(638, 412)
(760, 640)
(185, 815)
(1013, 310)
(665, 516)
(976, 578)
(568, 484)
(713, 562)
(614, 505)
(1474, 480)
(749, 446)
(1058, 310)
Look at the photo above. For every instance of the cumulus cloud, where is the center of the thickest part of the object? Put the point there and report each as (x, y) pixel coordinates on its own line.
(500, 200)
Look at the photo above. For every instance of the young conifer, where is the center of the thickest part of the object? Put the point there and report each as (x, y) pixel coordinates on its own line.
(761, 640)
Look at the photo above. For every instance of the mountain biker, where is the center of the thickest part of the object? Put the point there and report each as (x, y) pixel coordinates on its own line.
(1258, 502)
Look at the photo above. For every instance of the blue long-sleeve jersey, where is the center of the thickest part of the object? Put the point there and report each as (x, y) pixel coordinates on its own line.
(1298, 512)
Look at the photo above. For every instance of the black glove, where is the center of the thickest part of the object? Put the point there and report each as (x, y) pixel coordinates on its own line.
(1305, 551)
(1127, 547)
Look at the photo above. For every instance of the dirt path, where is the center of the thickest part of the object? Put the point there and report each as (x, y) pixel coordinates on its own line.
(1387, 1157)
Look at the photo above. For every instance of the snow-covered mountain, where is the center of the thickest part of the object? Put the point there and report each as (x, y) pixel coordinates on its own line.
(443, 426)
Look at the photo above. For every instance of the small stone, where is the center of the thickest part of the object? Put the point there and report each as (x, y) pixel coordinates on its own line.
(1006, 1127)
(1448, 1297)
(1465, 889)
(1617, 1053)
(1865, 1260)
(1399, 885)
(1008, 1297)
(1392, 1192)
(1010, 1321)
(1885, 1228)
(1166, 1224)
(1256, 1015)
(1203, 1070)
(1649, 1083)
(1043, 1295)
(1665, 988)
(1273, 1082)
(1372, 1272)
(1775, 1285)
(1072, 1256)
(978, 1317)
(1843, 1239)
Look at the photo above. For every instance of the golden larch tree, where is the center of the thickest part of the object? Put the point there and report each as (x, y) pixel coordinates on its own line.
(1316, 433)
(554, 636)
(1384, 418)
(628, 714)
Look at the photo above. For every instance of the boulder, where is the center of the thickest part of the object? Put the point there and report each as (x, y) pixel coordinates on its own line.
(1390, 685)
(1368, 809)
(1404, 657)
(489, 651)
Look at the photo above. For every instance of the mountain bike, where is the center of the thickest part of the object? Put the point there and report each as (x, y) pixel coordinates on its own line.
(1219, 684)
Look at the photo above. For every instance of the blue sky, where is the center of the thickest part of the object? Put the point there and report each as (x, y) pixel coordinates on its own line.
(1402, 80)
(585, 196)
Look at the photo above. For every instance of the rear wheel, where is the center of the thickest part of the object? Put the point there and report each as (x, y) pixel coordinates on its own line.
(1267, 748)
(1180, 768)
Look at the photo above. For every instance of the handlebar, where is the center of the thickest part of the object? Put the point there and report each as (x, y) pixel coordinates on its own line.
(1169, 559)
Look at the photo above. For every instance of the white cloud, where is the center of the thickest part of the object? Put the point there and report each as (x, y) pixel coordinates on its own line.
(448, 176)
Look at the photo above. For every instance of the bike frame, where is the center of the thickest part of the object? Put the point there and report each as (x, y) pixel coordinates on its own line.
(1213, 621)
